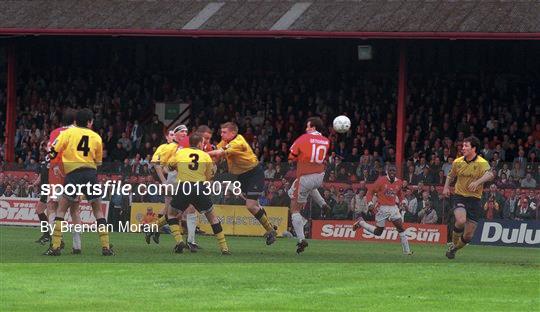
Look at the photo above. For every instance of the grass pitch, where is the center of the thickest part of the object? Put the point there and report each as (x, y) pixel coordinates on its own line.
(330, 275)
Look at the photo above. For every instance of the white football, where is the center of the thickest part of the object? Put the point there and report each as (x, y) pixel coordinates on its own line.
(342, 124)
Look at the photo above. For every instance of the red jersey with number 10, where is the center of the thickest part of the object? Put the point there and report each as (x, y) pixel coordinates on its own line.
(310, 151)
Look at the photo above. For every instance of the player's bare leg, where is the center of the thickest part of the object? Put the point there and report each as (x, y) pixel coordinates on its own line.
(218, 232)
(259, 213)
(462, 234)
(75, 212)
(402, 237)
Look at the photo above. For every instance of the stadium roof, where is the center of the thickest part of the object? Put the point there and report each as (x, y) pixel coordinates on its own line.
(257, 18)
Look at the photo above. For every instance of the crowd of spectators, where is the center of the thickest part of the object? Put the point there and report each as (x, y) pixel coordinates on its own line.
(271, 108)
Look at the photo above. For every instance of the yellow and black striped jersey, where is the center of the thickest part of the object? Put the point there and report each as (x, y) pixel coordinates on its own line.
(192, 165)
(466, 172)
(80, 148)
(240, 157)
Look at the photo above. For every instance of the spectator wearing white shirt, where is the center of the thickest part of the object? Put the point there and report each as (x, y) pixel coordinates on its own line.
(359, 206)
(428, 215)
(528, 181)
(270, 172)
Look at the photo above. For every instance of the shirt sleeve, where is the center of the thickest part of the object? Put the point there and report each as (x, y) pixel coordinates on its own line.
(485, 167)
(59, 144)
(453, 169)
(235, 147)
(99, 151)
(295, 149)
(209, 172)
(157, 154)
(372, 190)
(167, 155)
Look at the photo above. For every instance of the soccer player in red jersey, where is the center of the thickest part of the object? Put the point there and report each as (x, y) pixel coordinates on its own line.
(55, 175)
(309, 151)
(206, 133)
(388, 191)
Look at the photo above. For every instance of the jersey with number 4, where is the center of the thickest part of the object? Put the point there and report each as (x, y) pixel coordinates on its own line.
(192, 165)
(310, 151)
(80, 148)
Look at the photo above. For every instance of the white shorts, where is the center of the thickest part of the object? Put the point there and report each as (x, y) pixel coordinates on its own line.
(171, 177)
(387, 212)
(302, 186)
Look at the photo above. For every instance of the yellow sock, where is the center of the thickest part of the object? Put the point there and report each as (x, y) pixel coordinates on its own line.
(220, 236)
(103, 232)
(104, 238)
(461, 243)
(263, 219)
(161, 221)
(175, 231)
(221, 241)
(456, 237)
(57, 234)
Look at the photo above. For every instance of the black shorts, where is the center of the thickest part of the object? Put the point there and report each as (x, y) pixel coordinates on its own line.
(81, 176)
(200, 201)
(252, 183)
(472, 205)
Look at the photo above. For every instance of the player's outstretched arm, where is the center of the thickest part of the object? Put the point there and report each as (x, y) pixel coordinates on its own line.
(159, 171)
(217, 154)
(446, 188)
(58, 145)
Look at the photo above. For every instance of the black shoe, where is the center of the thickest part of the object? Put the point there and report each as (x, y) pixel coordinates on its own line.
(107, 251)
(52, 252)
(155, 237)
(179, 248)
(147, 236)
(76, 251)
(44, 239)
(451, 252)
(301, 246)
(271, 236)
(193, 247)
(225, 253)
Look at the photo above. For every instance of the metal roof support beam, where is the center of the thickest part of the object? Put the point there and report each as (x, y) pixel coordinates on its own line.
(291, 16)
(204, 15)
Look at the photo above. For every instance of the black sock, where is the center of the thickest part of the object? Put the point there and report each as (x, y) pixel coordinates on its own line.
(43, 217)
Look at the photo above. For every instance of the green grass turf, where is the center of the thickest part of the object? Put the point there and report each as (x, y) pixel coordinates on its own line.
(330, 276)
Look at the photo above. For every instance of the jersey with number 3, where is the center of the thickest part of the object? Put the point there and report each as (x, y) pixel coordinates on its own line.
(310, 151)
(80, 148)
(192, 165)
